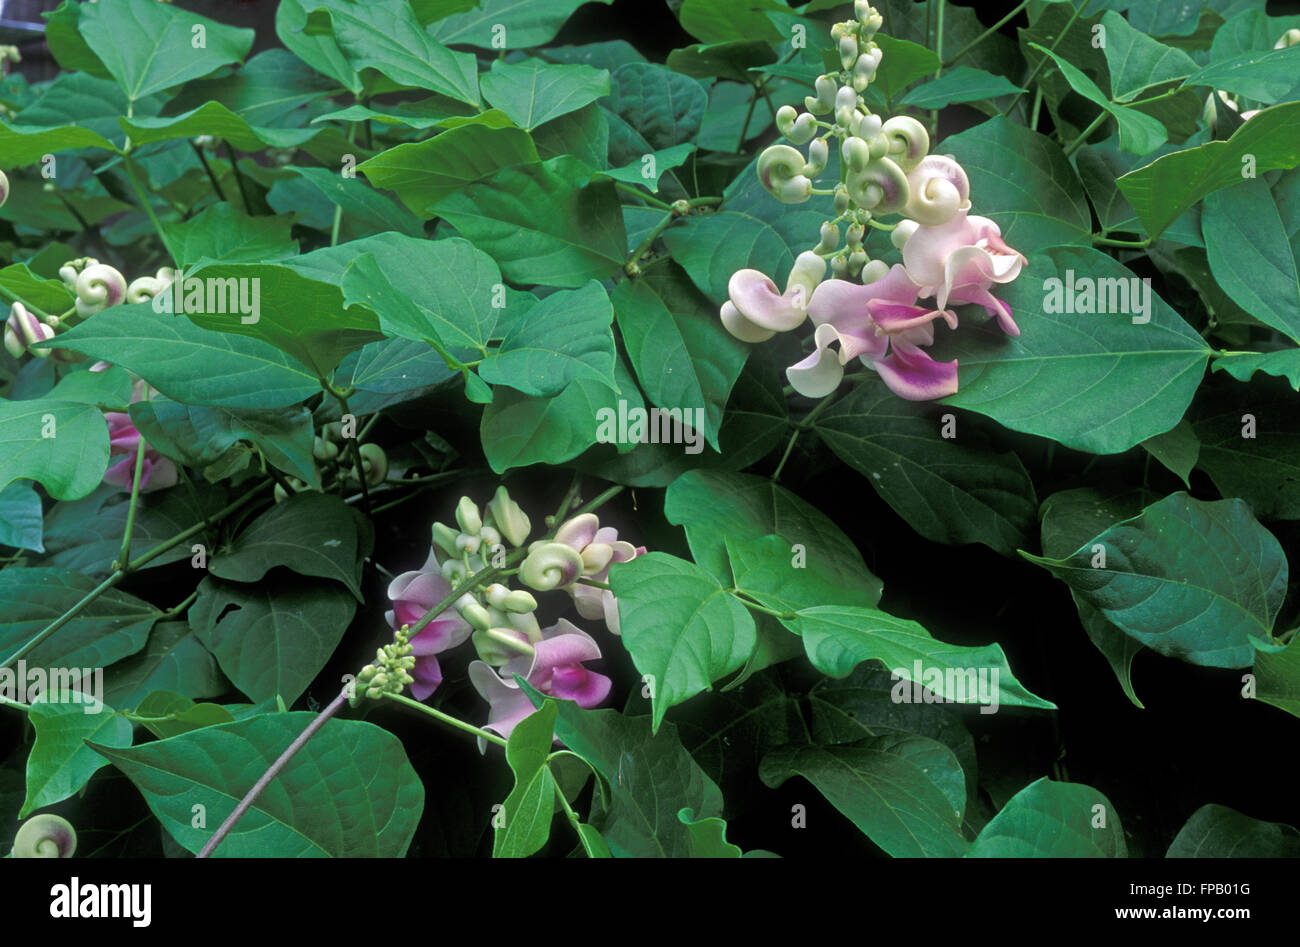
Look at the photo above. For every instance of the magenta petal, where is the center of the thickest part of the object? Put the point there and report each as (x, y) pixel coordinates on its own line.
(446, 631)
(910, 373)
(121, 473)
(427, 674)
(979, 294)
(570, 648)
(577, 683)
(892, 317)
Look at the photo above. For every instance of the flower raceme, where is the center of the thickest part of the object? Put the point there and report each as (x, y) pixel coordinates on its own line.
(501, 622)
(869, 310)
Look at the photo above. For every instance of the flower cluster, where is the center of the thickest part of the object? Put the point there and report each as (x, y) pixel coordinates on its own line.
(868, 309)
(501, 622)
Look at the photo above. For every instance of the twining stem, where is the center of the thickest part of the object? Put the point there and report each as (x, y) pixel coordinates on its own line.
(803, 425)
(446, 718)
(246, 803)
(1103, 241)
(654, 201)
(124, 554)
(983, 36)
(744, 599)
(1042, 61)
(129, 166)
(124, 570)
(203, 160)
(353, 447)
(239, 178)
(1083, 135)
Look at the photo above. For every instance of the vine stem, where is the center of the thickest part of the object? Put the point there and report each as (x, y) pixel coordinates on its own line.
(124, 554)
(147, 207)
(662, 205)
(121, 572)
(247, 802)
(1043, 60)
(446, 718)
(1083, 135)
(983, 36)
(803, 425)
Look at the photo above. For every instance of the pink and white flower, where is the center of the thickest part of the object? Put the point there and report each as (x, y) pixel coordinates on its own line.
(879, 323)
(957, 262)
(413, 594)
(556, 668)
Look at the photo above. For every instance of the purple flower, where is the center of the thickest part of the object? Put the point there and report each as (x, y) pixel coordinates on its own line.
(413, 594)
(556, 668)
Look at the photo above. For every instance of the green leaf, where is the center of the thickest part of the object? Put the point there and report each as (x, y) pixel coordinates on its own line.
(423, 173)
(680, 626)
(60, 763)
(350, 792)
(190, 363)
(720, 21)
(1053, 820)
(714, 505)
(904, 792)
(729, 60)
(111, 627)
(273, 638)
(532, 92)
(314, 534)
(526, 23)
(20, 517)
(649, 171)
(646, 777)
(306, 318)
(112, 386)
(1137, 61)
(183, 714)
(1099, 381)
(23, 144)
(364, 210)
(564, 337)
(86, 535)
(384, 35)
(1161, 191)
(948, 490)
(765, 570)
(148, 47)
(448, 301)
(1193, 580)
(172, 660)
(1277, 679)
(546, 223)
(50, 295)
(1268, 76)
(527, 811)
(222, 233)
(1177, 449)
(1138, 132)
(62, 444)
(904, 62)
(1215, 831)
(518, 430)
(198, 435)
(682, 355)
(1070, 519)
(838, 638)
(1024, 182)
(1251, 256)
(213, 118)
(1241, 365)
(962, 84)
(651, 108)
(319, 51)
(266, 92)
(1249, 437)
(708, 836)
(393, 366)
